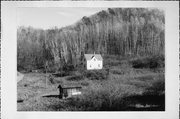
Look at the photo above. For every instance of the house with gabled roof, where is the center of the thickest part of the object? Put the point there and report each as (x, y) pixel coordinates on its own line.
(93, 61)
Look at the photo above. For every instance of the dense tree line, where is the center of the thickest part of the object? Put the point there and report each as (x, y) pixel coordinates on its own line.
(117, 31)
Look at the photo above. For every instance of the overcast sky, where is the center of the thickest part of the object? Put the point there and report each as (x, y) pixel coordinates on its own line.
(50, 17)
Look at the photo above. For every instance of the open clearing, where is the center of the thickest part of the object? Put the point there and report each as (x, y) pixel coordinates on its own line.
(125, 89)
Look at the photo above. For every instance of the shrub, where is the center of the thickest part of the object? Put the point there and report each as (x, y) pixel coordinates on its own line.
(68, 67)
(106, 97)
(75, 76)
(85, 83)
(51, 79)
(95, 74)
(112, 95)
(157, 87)
(117, 71)
(111, 62)
(149, 62)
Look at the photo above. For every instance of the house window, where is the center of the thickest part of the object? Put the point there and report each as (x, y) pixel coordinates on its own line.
(98, 65)
(90, 65)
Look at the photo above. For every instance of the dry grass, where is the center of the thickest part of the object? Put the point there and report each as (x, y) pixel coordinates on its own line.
(124, 89)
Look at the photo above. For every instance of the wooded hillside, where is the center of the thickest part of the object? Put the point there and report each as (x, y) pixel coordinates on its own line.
(117, 31)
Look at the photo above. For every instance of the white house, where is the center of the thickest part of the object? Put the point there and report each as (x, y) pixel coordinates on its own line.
(93, 61)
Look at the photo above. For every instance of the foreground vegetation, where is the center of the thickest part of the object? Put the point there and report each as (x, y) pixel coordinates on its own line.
(123, 87)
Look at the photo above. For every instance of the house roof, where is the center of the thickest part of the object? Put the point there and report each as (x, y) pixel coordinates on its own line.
(90, 56)
(69, 85)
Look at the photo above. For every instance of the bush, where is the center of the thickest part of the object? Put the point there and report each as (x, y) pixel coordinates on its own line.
(117, 71)
(68, 67)
(114, 96)
(85, 83)
(157, 87)
(102, 98)
(95, 74)
(111, 61)
(51, 79)
(149, 62)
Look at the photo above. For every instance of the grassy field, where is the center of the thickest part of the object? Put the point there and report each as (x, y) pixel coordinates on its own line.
(136, 84)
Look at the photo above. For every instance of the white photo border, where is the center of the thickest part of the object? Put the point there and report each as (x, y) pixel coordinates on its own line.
(9, 69)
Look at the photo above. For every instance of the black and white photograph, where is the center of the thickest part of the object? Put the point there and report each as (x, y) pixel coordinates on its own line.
(91, 59)
(100, 60)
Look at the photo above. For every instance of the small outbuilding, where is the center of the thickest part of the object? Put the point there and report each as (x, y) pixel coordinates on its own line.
(93, 61)
(69, 90)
